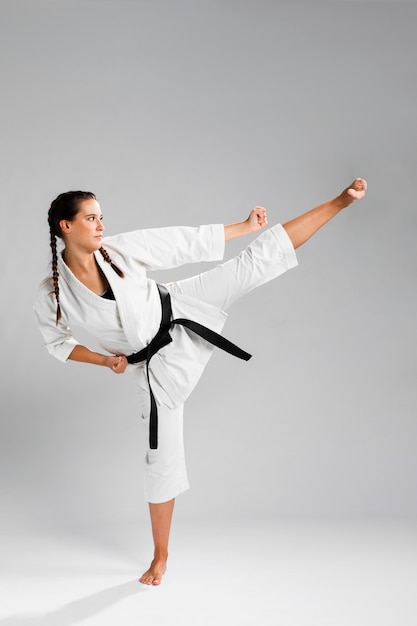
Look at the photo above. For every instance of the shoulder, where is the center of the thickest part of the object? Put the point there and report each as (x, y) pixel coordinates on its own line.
(123, 240)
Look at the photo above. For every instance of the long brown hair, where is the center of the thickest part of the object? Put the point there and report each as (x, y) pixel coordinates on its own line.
(65, 207)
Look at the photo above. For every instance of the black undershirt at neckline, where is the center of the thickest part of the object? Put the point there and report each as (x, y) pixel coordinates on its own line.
(108, 294)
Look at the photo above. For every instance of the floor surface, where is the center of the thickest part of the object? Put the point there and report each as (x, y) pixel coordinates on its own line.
(243, 574)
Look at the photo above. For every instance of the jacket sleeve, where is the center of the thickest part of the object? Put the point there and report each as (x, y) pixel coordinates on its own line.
(165, 248)
(58, 339)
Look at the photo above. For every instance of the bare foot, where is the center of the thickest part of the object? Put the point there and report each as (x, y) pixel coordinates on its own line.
(355, 191)
(153, 576)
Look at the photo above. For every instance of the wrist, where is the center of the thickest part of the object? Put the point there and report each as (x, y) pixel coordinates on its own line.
(248, 227)
(102, 360)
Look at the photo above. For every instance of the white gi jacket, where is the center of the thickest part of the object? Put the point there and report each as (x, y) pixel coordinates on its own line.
(129, 323)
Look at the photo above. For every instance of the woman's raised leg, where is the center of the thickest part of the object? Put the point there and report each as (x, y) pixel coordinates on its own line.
(301, 228)
(267, 256)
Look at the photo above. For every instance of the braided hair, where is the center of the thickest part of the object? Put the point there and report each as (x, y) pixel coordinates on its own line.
(65, 207)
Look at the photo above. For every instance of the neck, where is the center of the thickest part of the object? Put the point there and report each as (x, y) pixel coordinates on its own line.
(79, 262)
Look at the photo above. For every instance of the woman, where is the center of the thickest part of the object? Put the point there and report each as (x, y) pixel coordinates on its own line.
(164, 335)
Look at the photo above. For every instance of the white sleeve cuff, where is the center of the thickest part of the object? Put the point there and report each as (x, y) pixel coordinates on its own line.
(286, 245)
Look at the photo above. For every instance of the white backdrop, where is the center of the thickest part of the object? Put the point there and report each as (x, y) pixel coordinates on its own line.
(182, 112)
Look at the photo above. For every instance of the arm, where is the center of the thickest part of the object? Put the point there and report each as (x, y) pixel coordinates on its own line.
(82, 354)
(256, 221)
(301, 228)
(167, 247)
(59, 341)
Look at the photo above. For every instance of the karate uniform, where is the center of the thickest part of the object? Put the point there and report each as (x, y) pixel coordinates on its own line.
(128, 323)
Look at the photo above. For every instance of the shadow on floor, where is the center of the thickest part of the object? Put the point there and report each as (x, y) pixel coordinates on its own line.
(79, 609)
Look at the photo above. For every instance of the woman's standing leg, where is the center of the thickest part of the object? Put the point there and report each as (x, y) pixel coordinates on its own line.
(268, 256)
(161, 518)
(165, 477)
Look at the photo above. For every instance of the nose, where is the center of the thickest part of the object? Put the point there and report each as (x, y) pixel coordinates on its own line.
(100, 226)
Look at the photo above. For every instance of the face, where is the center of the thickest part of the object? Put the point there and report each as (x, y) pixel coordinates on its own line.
(85, 231)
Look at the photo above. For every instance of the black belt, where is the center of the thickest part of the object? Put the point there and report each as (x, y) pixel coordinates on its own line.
(163, 338)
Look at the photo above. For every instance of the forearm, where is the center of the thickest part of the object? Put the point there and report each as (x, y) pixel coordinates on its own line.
(232, 231)
(255, 221)
(83, 354)
(80, 353)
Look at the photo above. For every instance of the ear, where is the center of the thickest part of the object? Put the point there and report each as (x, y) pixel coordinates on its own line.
(65, 226)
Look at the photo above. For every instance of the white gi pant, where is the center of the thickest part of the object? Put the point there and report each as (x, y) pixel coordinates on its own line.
(268, 256)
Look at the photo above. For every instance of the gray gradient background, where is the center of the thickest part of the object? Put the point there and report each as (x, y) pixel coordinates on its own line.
(194, 112)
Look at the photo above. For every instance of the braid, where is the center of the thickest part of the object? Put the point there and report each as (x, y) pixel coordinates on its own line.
(107, 258)
(55, 274)
(65, 207)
